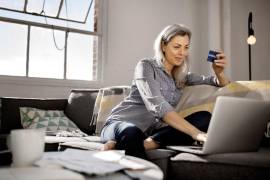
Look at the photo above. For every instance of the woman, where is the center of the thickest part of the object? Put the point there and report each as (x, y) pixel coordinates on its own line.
(146, 119)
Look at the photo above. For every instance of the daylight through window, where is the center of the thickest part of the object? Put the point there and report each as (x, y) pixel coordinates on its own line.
(55, 39)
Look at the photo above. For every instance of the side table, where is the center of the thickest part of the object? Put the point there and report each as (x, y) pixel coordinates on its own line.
(55, 171)
(27, 173)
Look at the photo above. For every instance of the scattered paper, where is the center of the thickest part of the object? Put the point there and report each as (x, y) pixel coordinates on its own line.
(90, 162)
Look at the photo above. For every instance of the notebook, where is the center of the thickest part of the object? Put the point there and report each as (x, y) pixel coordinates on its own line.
(237, 125)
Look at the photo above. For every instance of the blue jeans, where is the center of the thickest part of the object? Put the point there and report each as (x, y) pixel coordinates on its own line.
(169, 136)
(130, 138)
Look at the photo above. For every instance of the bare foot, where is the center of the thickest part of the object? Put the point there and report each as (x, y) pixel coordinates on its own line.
(109, 145)
(150, 144)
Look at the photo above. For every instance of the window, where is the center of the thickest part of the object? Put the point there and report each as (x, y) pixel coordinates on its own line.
(78, 57)
(13, 49)
(45, 60)
(50, 39)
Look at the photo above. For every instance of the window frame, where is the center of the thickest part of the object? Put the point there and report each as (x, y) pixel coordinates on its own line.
(39, 81)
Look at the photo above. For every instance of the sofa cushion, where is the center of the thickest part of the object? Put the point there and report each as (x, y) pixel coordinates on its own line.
(161, 157)
(246, 165)
(51, 120)
(93, 146)
(259, 158)
(80, 108)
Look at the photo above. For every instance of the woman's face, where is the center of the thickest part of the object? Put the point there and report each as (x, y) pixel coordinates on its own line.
(176, 50)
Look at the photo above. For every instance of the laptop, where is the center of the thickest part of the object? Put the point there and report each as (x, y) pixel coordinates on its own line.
(237, 125)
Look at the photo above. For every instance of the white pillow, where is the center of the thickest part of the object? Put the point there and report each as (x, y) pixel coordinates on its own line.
(107, 99)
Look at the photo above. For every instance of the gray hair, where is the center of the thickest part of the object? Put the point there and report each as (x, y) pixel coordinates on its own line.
(165, 36)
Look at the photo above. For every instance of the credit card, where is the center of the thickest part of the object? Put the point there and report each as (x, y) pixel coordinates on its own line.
(212, 56)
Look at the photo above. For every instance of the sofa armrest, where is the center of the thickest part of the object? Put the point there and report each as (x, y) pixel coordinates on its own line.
(10, 112)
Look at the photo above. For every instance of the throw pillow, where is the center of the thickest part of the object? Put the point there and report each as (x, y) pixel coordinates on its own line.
(202, 97)
(51, 120)
(80, 108)
(106, 100)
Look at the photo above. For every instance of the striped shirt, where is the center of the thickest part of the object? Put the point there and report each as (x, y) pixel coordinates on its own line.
(153, 94)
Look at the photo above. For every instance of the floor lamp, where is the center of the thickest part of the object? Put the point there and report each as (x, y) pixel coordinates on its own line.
(251, 40)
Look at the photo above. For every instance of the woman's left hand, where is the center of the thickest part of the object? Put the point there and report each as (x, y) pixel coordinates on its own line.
(220, 63)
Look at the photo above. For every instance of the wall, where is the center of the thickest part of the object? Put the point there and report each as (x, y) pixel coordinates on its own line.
(239, 31)
(14, 87)
(133, 25)
(33, 91)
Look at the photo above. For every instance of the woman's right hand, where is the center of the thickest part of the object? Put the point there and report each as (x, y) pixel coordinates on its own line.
(200, 136)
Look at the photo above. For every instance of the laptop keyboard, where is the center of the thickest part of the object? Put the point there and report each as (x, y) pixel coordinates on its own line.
(196, 147)
(197, 144)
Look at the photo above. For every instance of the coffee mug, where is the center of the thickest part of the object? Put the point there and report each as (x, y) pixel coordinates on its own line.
(26, 145)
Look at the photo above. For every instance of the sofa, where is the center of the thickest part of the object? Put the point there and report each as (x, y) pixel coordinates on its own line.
(79, 107)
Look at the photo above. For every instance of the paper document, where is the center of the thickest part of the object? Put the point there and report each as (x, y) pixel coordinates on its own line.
(90, 162)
